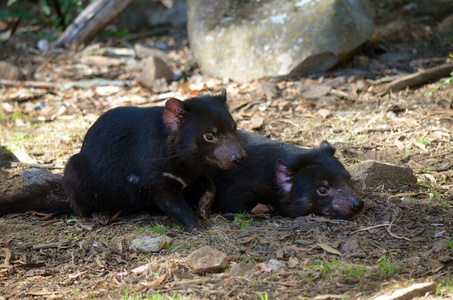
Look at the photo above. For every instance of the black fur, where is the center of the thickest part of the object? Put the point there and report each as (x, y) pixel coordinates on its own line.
(47, 196)
(134, 159)
(290, 180)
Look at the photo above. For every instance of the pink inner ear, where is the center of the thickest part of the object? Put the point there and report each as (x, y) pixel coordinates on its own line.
(284, 176)
(174, 113)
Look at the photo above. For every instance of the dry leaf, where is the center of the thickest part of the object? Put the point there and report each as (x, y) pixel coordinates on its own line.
(293, 262)
(264, 267)
(156, 282)
(99, 263)
(151, 284)
(141, 269)
(329, 249)
(7, 257)
(260, 209)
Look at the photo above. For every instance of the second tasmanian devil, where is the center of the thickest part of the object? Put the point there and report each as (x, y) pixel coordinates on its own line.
(137, 159)
(289, 180)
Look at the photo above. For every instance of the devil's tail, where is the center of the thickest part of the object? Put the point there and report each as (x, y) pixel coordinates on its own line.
(48, 196)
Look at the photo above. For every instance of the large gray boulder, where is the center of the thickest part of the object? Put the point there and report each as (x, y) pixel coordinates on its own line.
(250, 39)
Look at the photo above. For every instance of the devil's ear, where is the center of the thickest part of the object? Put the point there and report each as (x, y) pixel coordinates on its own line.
(223, 96)
(326, 146)
(174, 113)
(283, 175)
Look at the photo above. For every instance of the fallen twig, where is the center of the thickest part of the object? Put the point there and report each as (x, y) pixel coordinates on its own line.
(371, 130)
(51, 245)
(394, 235)
(372, 227)
(419, 77)
(39, 166)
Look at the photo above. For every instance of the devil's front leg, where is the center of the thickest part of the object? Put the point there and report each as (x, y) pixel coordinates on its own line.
(208, 197)
(172, 202)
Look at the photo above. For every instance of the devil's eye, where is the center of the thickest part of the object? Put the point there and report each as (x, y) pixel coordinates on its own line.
(322, 191)
(208, 137)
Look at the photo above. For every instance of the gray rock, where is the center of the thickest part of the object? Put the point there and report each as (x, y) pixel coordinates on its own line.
(160, 85)
(38, 176)
(372, 173)
(246, 40)
(352, 247)
(149, 244)
(335, 82)
(241, 268)
(268, 89)
(207, 260)
(154, 69)
(276, 265)
(9, 71)
(314, 92)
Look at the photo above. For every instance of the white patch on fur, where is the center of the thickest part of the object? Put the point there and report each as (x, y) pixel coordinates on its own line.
(174, 177)
(133, 178)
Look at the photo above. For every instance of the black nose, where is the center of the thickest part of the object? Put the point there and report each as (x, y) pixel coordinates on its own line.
(239, 156)
(357, 204)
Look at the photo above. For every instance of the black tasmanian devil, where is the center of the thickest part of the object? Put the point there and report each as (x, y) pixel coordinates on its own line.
(136, 159)
(291, 181)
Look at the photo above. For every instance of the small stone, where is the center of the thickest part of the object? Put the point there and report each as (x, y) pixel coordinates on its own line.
(276, 265)
(351, 246)
(43, 45)
(373, 173)
(324, 113)
(256, 122)
(241, 268)
(97, 245)
(160, 85)
(149, 244)
(207, 260)
(107, 90)
(243, 234)
(154, 68)
(268, 89)
(445, 258)
(314, 92)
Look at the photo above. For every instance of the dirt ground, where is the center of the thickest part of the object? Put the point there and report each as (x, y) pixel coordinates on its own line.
(403, 236)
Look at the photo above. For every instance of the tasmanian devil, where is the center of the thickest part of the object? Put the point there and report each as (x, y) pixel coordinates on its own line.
(290, 180)
(136, 159)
